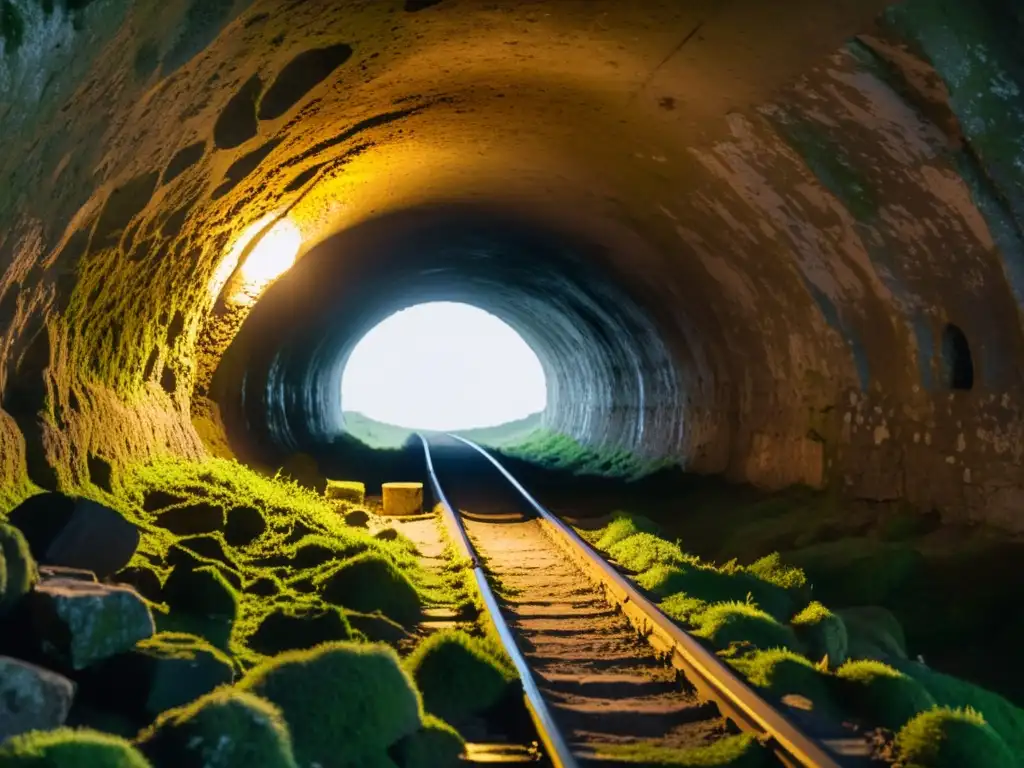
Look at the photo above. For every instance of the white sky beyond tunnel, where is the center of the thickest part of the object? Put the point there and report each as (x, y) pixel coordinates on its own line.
(443, 366)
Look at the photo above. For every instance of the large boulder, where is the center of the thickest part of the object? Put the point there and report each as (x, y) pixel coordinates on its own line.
(77, 533)
(226, 729)
(31, 698)
(372, 582)
(18, 573)
(345, 703)
(80, 623)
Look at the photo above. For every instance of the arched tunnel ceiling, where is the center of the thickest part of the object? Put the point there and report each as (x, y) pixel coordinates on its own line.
(792, 200)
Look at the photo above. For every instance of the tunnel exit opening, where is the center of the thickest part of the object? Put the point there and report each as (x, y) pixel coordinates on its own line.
(443, 366)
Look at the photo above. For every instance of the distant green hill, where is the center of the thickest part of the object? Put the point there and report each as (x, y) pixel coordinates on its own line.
(377, 434)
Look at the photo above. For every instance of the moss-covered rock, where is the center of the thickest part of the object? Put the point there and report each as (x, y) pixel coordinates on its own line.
(193, 519)
(823, 633)
(641, 551)
(372, 582)
(298, 628)
(226, 729)
(725, 624)
(377, 627)
(202, 602)
(81, 623)
(622, 527)
(342, 701)
(952, 738)
(881, 695)
(69, 748)
(457, 675)
(351, 491)
(785, 673)
(18, 572)
(714, 585)
(31, 698)
(164, 671)
(874, 633)
(435, 745)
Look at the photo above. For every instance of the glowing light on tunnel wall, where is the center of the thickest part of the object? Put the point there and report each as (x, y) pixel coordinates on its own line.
(443, 366)
(273, 255)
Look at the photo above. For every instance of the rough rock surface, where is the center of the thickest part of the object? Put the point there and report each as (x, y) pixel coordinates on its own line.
(80, 623)
(31, 698)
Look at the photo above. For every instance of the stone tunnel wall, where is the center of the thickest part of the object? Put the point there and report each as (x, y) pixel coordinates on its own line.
(802, 220)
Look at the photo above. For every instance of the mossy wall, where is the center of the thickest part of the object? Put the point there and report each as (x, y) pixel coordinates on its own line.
(786, 243)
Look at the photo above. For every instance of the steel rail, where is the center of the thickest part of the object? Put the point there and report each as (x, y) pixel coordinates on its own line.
(554, 743)
(712, 676)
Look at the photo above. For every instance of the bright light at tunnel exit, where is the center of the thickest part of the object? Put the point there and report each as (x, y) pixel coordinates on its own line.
(443, 366)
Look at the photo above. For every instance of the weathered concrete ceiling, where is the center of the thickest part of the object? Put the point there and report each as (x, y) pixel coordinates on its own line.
(756, 221)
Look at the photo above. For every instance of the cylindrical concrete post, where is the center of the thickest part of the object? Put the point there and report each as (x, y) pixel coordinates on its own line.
(402, 499)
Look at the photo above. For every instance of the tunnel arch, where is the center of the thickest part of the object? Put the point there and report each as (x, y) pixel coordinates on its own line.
(612, 379)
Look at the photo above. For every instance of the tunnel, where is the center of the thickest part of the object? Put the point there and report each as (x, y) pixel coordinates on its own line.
(768, 253)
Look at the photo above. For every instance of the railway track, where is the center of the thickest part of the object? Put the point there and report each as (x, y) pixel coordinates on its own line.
(606, 676)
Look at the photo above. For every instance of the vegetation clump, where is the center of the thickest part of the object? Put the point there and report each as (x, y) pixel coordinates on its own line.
(226, 729)
(823, 633)
(298, 628)
(622, 527)
(70, 748)
(458, 675)
(952, 738)
(18, 573)
(342, 701)
(435, 745)
(728, 624)
(782, 672)
(641, 551)
(372, 582)
(882, 695)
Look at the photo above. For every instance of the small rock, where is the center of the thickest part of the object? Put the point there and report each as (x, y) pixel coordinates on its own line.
(244, 526)
(298, 630)
(192, 519)
(18, 572)
(83, 623)
(358, 518)
(386, 534)
(49, 572)
(31, 698)
(95, 538)
(202, 602)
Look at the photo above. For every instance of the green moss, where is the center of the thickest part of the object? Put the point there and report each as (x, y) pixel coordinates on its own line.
(682, 608)
(952, 738)
(557, 451)
(18, 572)
(642, 551)
(881, 695)
(717, 585)
(874, 633)
(457, 675)
(339, 699)
(771, 569)
(782, 673)
(622, 527)
(290, 628)
(69, 748)
(180, 668)
(350, 491)
(371, 582)
(226, 729)
(742, 751)
(726, 624)
(823, 633)
(435, 745)
(948, 691)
